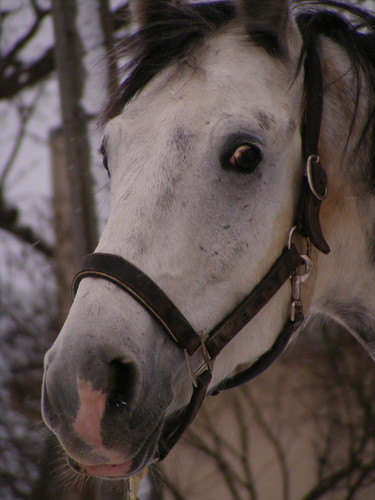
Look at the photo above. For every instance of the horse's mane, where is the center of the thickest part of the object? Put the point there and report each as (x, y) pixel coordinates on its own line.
(174, 33)
(354, 30)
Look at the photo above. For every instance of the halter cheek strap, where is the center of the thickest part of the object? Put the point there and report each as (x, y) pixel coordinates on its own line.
(314, 185)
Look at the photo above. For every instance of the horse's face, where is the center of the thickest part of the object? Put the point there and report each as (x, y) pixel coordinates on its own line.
(205, 167)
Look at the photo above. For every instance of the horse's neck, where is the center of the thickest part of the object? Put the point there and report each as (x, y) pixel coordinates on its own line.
(345, 279)
(344, 287)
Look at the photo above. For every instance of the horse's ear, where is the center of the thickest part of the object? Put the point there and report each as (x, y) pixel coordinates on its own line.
(145, 12)
(267, 21)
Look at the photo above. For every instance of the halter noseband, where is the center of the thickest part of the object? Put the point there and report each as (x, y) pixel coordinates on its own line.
(143, 289)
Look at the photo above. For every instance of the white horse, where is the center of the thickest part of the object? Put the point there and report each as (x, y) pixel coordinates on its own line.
(206, 144)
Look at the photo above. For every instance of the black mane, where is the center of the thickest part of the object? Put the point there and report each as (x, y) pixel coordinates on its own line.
(354, 30)
(173, 35)
(169, 38)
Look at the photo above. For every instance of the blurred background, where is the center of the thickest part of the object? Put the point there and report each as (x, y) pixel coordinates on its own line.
(305, 429)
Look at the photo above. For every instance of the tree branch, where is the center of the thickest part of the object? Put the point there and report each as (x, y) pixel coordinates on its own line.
(27, 75)
(21, 42)
(9, 222)
(18, 75)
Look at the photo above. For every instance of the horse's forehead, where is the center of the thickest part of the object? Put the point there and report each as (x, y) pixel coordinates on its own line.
(230, 75)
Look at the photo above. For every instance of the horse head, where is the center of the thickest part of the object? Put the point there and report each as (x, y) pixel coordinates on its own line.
(204, 144)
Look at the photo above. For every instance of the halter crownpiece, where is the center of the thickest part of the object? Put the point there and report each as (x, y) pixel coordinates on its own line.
(314, 185)
(144, 290)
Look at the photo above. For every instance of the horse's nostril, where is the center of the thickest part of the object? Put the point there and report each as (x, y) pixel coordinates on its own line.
(124, 379)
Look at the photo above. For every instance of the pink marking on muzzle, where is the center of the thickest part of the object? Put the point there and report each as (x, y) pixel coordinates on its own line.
(91, 410)
(87, 425)
(88, 420)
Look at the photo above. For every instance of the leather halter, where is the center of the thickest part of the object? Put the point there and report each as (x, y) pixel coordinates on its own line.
(143, 289)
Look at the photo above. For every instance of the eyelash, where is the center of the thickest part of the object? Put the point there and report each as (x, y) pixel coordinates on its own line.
(104, 158)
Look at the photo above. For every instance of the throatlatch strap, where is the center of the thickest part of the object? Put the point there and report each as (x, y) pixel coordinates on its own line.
(145, 291)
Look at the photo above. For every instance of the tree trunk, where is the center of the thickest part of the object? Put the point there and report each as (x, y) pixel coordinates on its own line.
(71, 76)
(63, 222)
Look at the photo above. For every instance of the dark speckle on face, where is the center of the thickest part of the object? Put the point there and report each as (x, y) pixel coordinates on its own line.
(138, 242)
(180, 140)
(166, 198)
(291, 126)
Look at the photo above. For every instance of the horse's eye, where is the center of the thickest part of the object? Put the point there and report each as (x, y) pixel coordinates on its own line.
(246, 158)
(104, 158)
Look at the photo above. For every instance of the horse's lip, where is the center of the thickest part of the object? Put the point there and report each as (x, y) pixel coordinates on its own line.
(126, 469)
(144, 456)
(108, 471)
(148, 454)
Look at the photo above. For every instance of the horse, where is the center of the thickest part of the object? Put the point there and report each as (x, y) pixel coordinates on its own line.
(240, 149)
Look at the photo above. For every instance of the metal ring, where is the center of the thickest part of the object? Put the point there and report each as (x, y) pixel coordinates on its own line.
(310, 179)
(291, 232)
(290, 237)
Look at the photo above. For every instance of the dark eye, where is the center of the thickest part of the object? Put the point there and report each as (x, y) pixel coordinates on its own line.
(245, 158)
(104, 158)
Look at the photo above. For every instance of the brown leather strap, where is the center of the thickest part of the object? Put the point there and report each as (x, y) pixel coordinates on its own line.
(228, 328)
(133, 281)
(143, 289)
(308, 221)
(308, 210)
(173, 433)
(264, 361)
(313, 103)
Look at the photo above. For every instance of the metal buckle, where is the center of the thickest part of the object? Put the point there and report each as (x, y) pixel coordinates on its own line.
(296, 281)
(207, 363)
(310, 179)
(298, 278)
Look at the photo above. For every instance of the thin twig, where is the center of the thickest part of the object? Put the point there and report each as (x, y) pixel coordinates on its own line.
(274, 441)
